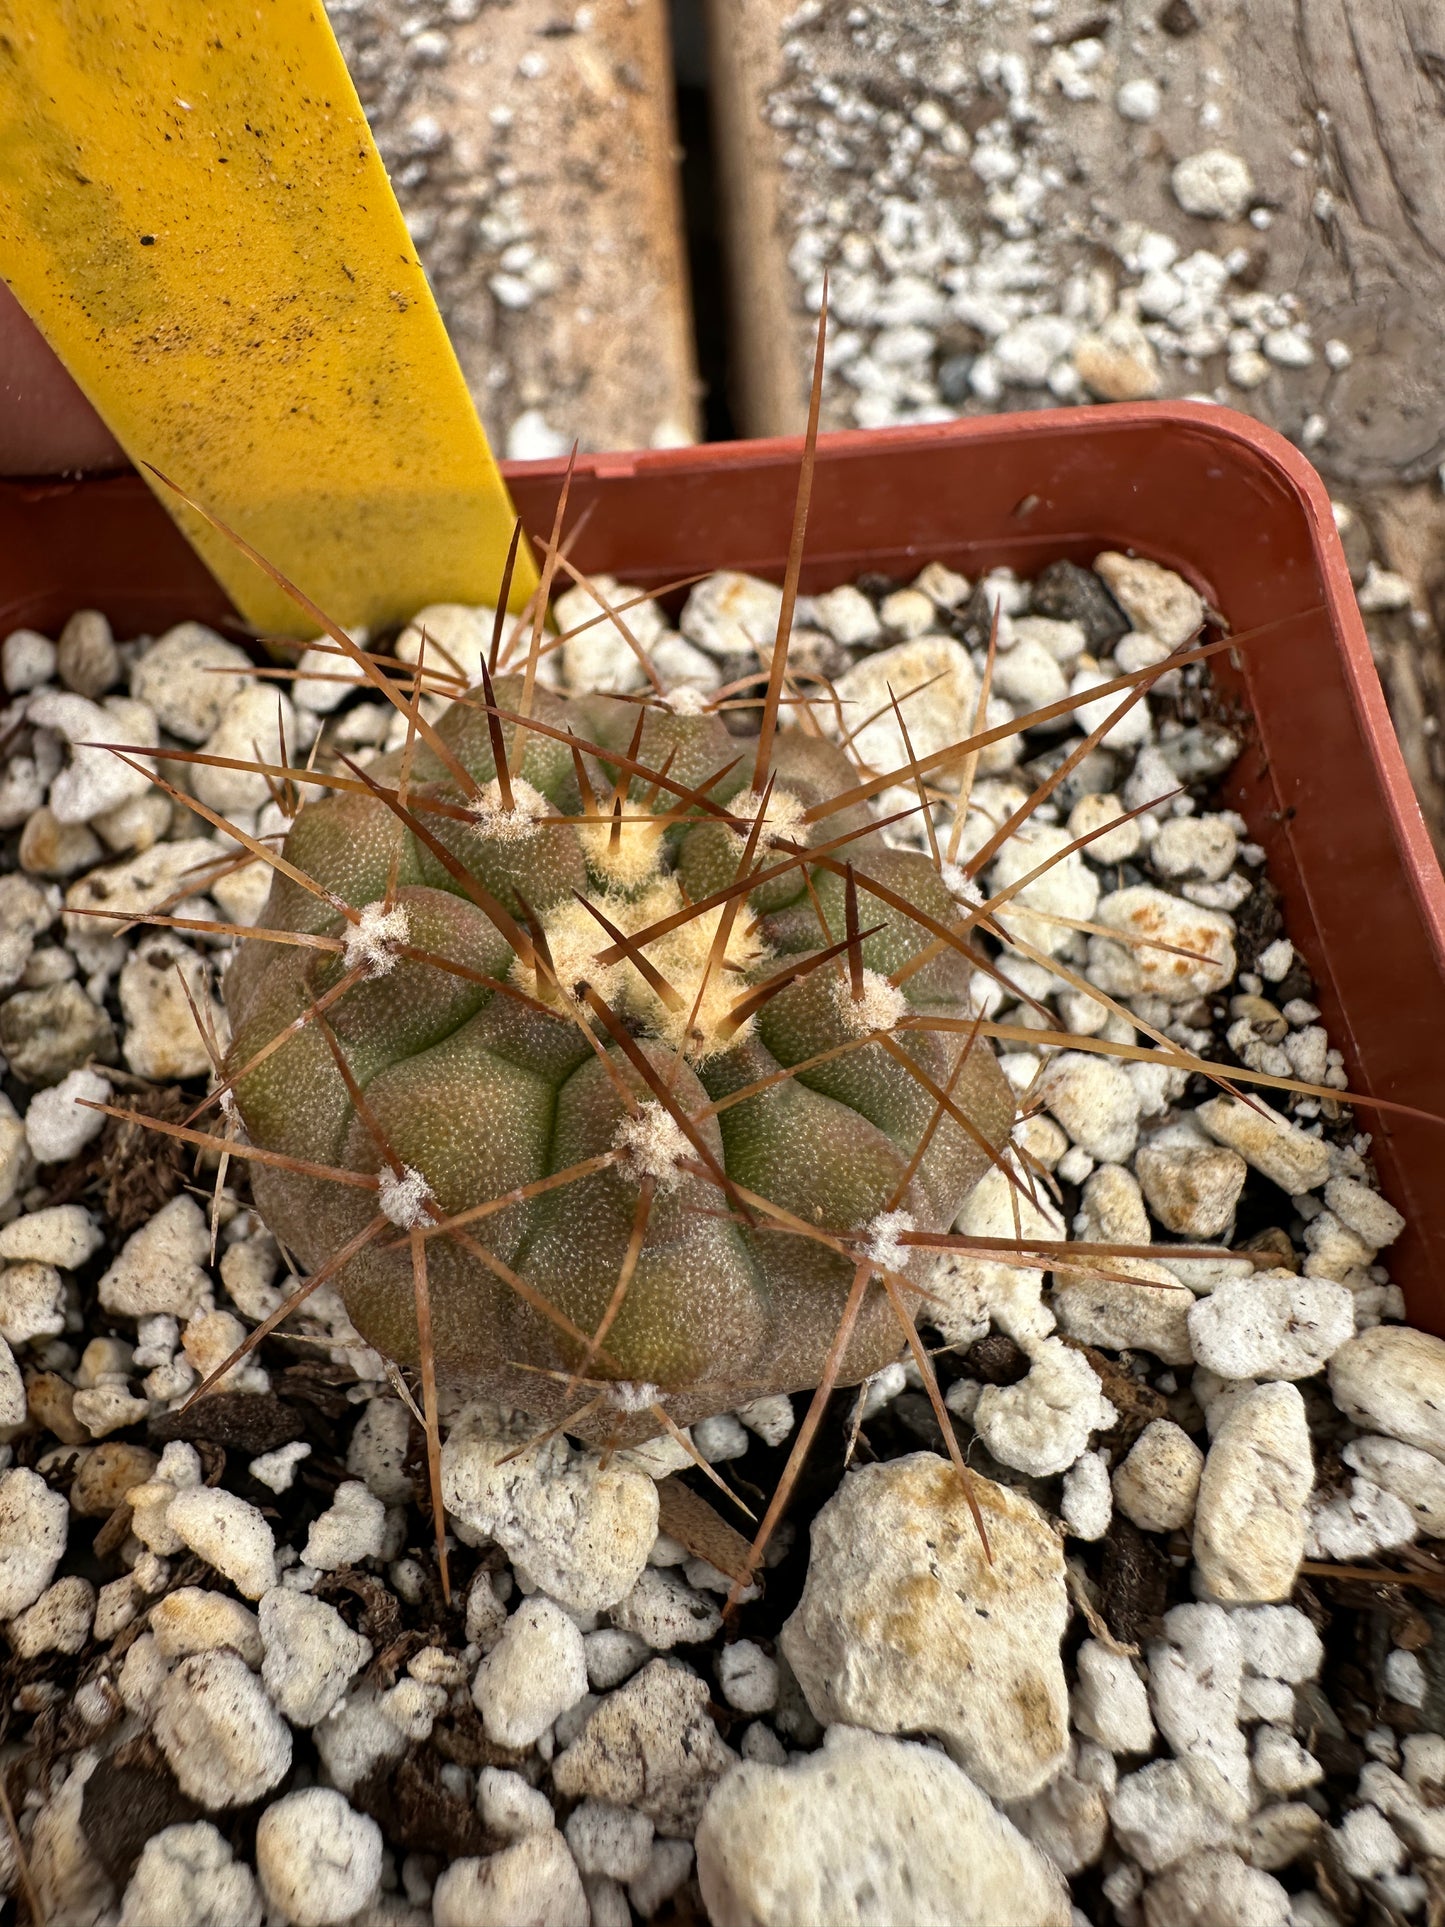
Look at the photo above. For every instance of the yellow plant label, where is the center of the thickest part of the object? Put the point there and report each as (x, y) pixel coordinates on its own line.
(193, 210)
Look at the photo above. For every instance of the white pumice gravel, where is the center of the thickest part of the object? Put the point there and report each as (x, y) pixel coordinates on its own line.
(318, 1859)
(1125, 1696)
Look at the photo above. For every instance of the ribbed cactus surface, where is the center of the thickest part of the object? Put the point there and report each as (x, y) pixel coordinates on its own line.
(542, 976)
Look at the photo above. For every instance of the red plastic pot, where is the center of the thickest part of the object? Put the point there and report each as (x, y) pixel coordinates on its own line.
(1229, 504)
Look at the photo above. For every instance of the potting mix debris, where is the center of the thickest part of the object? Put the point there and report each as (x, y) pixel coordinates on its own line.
(232, 1690)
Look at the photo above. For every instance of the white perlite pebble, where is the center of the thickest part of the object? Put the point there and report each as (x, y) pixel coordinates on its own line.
(1138, 99)
(27, 659)
(12, 1389)
(188, 677)
(971, 1292)
(196, 1620)
(536, 1670)
(1213, 1887)
(160, 1267)
(868, 1830)
(732, 614)
(1405, 1677)
(15, 1165)
(1278, 1642)
(1090, 813)
(666, 1612)
(1171, 1808)
(1041, 1425)
(162, 1039)
(1392, 1380)
(252, 724)
(1068, 888)
(1277, 1149)
(936, 686)
(770, 1418)
(95, 779)
(748, 1678)
(847, 615)
(63, 1234)
(56, 1127)
(1158, 1482)
(277, 1470)
(225, 1743)
(187, 1875)
(534, 1883)
(1194, 1679)
(229, 1533)
(352, 1528)
(311, 1654)
(1215, 185)
(1155, 599)
(1251, 1515)
(32, 1301)
(356, 1737)
(1274, 1325)
(1029, 676)
(1368, 1845)
(1110, 1703)
(318, 1858)
(1095, 1102)
(615, 1841)
(583, 1532)
(905, 1625)
(1111, 1311)
(1358, 1522)
(1372, 1218)
(1412, 1475)
(600, 660)
(510, 1805)
(1281, 1764)
(720, 1438)
(377, 1453)
(1144, 968)
(650, 1745)
(1192, 1186)
(1087, 1504)
(33, 1527)
(612, 1657)
(58, 1622)
(1196, 848)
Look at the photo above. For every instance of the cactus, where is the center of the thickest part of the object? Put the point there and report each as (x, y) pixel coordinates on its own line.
(634, 1047)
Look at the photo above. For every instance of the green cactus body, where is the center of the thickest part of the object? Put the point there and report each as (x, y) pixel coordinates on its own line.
(479, 1090)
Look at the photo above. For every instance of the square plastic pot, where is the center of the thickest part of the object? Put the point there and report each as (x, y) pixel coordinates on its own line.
(1229, 504)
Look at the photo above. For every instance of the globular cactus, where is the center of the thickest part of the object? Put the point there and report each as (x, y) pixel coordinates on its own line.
(644, 1075)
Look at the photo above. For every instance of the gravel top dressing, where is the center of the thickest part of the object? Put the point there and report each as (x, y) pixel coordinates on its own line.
(1189, 1680)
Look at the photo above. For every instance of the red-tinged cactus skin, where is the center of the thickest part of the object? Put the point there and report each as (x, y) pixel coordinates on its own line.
(477, 1067)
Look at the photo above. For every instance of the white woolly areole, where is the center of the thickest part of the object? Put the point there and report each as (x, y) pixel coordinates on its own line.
(371, 943)
(653, 1142)
(784, 818)
(685, 700)
(633, 1394)
(529, 806)
(635, 856)
(404, 1198)
(574, 937)
(880, 1007)
(961, 886)
(883, 1244)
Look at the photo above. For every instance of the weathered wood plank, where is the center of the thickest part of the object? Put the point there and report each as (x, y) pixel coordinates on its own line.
(533, 150)
(1008, 124)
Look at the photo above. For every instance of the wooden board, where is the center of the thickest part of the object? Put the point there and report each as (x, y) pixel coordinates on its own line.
(1338, 110)
(544, 127)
